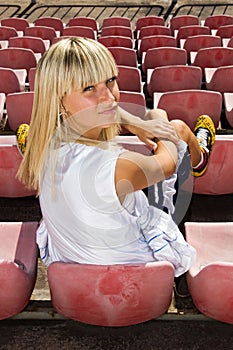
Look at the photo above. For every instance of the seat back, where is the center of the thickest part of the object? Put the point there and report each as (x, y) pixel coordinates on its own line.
(129, 79)
(164, 56)
(113, 40)
(181, 21)
(36, 44)
(185, 32)
(146, 21)
(17, 58)
(133, 102)
(9, 81)
(124, 56)
(175, 77)
(213, 57)
(10, 159)
(19, 108)
(46, 33)
(117, 295)
(81, 31)
(52, 22)
(7, 32)
(221, 80)
(151, 42)
(225, 31)
(84, 21)
(153, 30)
(188, 105)
(20, 24)
(197, 42)
(216, 21)
(116, 21)
(118, 31)
(217, 179)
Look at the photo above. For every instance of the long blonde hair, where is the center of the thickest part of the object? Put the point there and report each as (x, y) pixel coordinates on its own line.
(72, 63)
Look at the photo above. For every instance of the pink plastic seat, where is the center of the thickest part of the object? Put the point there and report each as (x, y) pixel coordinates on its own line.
(116, 21)
(2, 104)
(117, 295)
(146, 21)
(188, 105)
(225, 31)
(129, 79)
(217, 179)
(36, 44)
(18, 23)
(133, 102)
(113, 40)
(46, 33)
(31, 78)
(185, 32)
(118, 31)
(52, 22)
(175, 77)
(213, 57)
(19, 108)
(124, 56)
(153, 30)
(17, 58)
(10, 159)
(216, 21)
(197, 42)
(81, 31)
(210, 279)
(151, 42)
(221, 80)
(183, 20)
(84, 21)
(7, 32)
(18, 266)
(228, 104)
(164, 56)
(10, 82)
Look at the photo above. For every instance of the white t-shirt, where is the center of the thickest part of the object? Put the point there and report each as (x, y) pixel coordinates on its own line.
(84, 221)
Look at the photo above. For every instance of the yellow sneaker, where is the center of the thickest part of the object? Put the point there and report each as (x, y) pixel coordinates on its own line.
(205, 133)
(21, 134)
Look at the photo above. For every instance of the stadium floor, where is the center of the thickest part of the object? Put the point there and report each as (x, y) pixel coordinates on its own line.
(39, 327)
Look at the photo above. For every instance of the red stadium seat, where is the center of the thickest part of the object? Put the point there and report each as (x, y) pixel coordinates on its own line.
(10, 159)
(37, 45)
(185, 32)
(19, 108)
(20, 24)
(46, 33)
(197, 42)
(18, 266)
(52, 22)
(216, 21)
(124, 56)
(210, 279)
(7, 32)
(153, 30)
(120, 41)
(129, 79)
(10, 81)
(17, 58)
(219, 79)
(85, 22)
(116, 21)
(117, 295)
(225, 31)
(183, 20)
(188, 105)
(217, 179)
(164, 56)
(175, 77)
(133, 102)
(151, 42)
(149, 21)
(82, 31)
(118, 31)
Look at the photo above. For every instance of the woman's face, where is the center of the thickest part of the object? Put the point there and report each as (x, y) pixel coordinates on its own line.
(93, 108)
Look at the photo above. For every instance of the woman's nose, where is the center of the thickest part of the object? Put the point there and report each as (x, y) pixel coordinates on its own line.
(106, 94)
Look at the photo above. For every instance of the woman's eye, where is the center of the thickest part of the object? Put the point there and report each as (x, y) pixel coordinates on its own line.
(111, 80)
(88, 88)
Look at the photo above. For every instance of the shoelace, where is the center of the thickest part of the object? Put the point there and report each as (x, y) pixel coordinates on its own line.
(202, 136)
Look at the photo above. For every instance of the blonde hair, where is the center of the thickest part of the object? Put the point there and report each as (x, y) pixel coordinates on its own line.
(70, 64)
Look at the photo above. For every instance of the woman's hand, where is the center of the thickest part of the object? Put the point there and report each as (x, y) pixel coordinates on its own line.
(155, 126)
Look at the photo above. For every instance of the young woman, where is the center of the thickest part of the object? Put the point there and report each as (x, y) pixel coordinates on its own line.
(89, 188)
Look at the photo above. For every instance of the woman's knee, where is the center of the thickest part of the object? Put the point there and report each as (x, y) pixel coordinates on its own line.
(181, 128)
